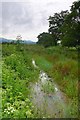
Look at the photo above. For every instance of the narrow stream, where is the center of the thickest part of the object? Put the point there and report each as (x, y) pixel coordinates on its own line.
(47, 104)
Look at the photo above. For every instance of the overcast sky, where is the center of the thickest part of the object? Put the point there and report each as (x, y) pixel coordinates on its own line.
(28, 17)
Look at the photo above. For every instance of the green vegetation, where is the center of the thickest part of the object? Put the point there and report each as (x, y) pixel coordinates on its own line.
(71, 27)
(64, 69)
(60, 62)
(45, 39)
(48, 88)
(18, 73)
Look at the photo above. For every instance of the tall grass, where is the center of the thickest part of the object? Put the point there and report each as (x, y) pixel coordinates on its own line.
(48, 88)
(61, 64)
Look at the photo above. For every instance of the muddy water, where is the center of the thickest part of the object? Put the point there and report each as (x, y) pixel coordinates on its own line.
(51, 104)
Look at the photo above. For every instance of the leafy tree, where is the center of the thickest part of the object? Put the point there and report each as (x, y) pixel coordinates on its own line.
(71, 27)
(45, 39)
(18, 38)
(55, 23)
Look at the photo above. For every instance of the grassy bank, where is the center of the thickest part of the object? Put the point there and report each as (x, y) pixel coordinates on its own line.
(59, 63)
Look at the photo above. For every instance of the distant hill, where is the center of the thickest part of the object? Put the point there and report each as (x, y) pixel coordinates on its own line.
(4, 40)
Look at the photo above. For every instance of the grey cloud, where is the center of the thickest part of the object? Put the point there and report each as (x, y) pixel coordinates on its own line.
(14, 13)
(16, 16)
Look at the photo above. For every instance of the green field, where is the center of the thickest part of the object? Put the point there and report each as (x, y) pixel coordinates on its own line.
(18, 73)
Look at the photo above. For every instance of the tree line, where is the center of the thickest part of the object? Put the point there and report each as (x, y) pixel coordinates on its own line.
(64, 28)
